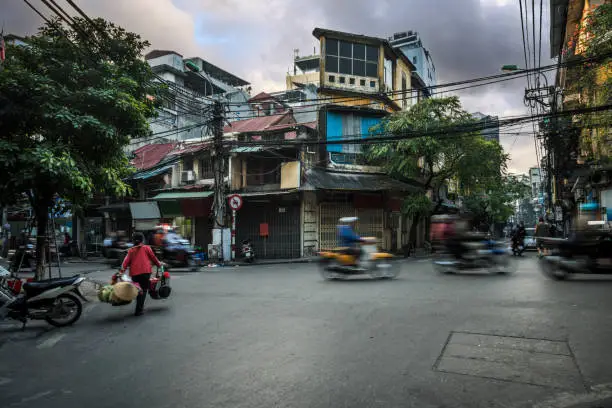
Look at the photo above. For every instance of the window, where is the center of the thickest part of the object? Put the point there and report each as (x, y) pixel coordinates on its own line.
(332, 78)
(352, 81)
(372, 84)
(342, 80)
(344, 57)
(414, 59)
(206, 169)
(362, 82)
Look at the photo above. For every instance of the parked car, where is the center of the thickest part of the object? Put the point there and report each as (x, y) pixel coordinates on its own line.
(530, 241)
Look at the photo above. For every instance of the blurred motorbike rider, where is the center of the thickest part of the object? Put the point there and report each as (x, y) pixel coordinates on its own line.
(459, 235)
(519, 235)
(348, 238)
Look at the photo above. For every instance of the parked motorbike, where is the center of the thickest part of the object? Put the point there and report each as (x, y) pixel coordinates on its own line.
(247, 251)
(57, 301)
(341, 263)
(490, 255)
(567, 258)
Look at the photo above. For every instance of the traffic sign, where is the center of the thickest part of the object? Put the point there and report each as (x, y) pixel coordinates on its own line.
(235, 202)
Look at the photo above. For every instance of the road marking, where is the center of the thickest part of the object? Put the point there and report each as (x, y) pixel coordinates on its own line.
(51, 341)
(4, 381)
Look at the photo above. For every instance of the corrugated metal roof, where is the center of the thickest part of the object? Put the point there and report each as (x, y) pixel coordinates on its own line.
(257, 124)
(318, 179)
(143, 175)
(178, 195)
(150, 155)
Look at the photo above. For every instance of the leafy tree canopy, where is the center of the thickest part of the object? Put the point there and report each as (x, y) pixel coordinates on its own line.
(70, 100)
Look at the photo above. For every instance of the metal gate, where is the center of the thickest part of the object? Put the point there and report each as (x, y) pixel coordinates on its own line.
(284, 231)
(370, 222)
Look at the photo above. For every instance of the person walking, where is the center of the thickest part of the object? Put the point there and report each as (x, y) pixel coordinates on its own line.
(139, 259)
(542, 230)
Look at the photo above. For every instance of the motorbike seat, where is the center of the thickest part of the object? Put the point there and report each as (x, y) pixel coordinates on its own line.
(42, 285)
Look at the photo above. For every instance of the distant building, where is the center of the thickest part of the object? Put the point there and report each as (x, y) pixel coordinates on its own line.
(424, 77)
(490, 125)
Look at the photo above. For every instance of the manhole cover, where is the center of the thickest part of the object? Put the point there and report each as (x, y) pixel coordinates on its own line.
(517, 359)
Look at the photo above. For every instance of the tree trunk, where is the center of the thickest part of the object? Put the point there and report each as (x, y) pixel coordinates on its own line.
(413, 231)
(41, 211)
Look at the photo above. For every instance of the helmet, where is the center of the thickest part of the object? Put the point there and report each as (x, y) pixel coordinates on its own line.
(348, 220)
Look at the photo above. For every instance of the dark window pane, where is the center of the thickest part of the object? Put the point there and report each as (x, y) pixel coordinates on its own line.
(331, 47)
(342, 80)
(352, 81)
(362, 82)
(332, 78)
(359, 51)
(345, 66)
(372, 69)
(372, 84)
(371, 53)
(359, 68)
(346, 49)
(331, 64)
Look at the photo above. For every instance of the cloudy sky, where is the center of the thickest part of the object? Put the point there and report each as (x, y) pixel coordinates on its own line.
(255, 39)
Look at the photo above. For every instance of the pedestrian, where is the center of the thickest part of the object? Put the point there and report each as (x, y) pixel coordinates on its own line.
(542, 230)
(139, 259)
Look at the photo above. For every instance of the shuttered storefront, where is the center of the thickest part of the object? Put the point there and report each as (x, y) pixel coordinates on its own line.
(370, 222)
(284, 230)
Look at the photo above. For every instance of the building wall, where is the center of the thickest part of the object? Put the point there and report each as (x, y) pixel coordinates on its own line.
(307, 78)
(310, 224)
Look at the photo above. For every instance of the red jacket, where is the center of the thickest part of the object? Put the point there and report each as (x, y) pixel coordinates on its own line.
(139, 260)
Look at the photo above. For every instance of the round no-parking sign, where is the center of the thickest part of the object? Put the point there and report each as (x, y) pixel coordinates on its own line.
(235, 202)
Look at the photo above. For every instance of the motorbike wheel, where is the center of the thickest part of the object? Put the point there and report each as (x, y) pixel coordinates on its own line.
(384, 269)
(326, 269)
(61, 302)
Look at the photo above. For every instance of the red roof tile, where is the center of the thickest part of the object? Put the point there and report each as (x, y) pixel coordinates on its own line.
(258, 123)
(262, 96)
(149, 155)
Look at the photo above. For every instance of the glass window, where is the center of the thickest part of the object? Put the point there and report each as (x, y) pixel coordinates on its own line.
(414, 59)
(331, 47)
(332, 78)
(346, 49)
(345, 66)
(352, 81)
(372, 84)
(359, 67)
(331, 64)
(359, 51)
(362, 82)
(342, 80)
(371, 69)
(371, 53)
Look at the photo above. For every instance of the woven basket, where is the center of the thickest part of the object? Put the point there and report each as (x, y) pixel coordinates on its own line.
(125, 291)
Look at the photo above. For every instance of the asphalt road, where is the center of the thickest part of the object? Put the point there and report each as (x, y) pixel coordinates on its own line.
(280, 336)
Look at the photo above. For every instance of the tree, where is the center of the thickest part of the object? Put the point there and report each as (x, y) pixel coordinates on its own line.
(497, 203)
(443, 153)
(70, 100)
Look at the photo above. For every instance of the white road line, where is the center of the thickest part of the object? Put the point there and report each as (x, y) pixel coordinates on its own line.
(4, 381)
(51, 341)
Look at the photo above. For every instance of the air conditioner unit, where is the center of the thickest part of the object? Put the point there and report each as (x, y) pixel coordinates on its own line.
(187, 176)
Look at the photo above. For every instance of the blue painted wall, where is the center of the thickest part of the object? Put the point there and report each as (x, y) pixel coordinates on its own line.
(335, 129)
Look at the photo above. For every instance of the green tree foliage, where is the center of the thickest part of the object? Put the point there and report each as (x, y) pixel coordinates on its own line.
(438, 157)
(592, 81)
(497, 203)
(70, 100)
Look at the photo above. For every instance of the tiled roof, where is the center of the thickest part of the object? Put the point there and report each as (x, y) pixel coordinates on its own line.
(150, 155)
(255, 124)
(262, 96)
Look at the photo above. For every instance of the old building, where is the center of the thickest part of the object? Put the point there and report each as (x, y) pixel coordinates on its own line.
(424, 76)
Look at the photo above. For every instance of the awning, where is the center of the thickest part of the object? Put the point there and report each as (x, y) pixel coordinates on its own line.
(170, 208)
(144, 210)
(143, 175)
(247, 149)
(180, 195)
(326, 180)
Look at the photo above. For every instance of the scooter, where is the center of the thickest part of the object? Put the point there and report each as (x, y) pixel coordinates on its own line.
(517, 248)
(490, 255)
(247, 251)
(577, 257)
(341, 264)
(57, 301)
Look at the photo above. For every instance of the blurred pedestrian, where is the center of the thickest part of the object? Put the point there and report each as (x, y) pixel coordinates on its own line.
(542, 230)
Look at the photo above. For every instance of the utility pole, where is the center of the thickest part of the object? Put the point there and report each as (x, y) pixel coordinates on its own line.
(219, 166)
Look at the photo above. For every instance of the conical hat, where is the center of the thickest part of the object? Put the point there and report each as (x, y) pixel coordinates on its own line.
(125, 291)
